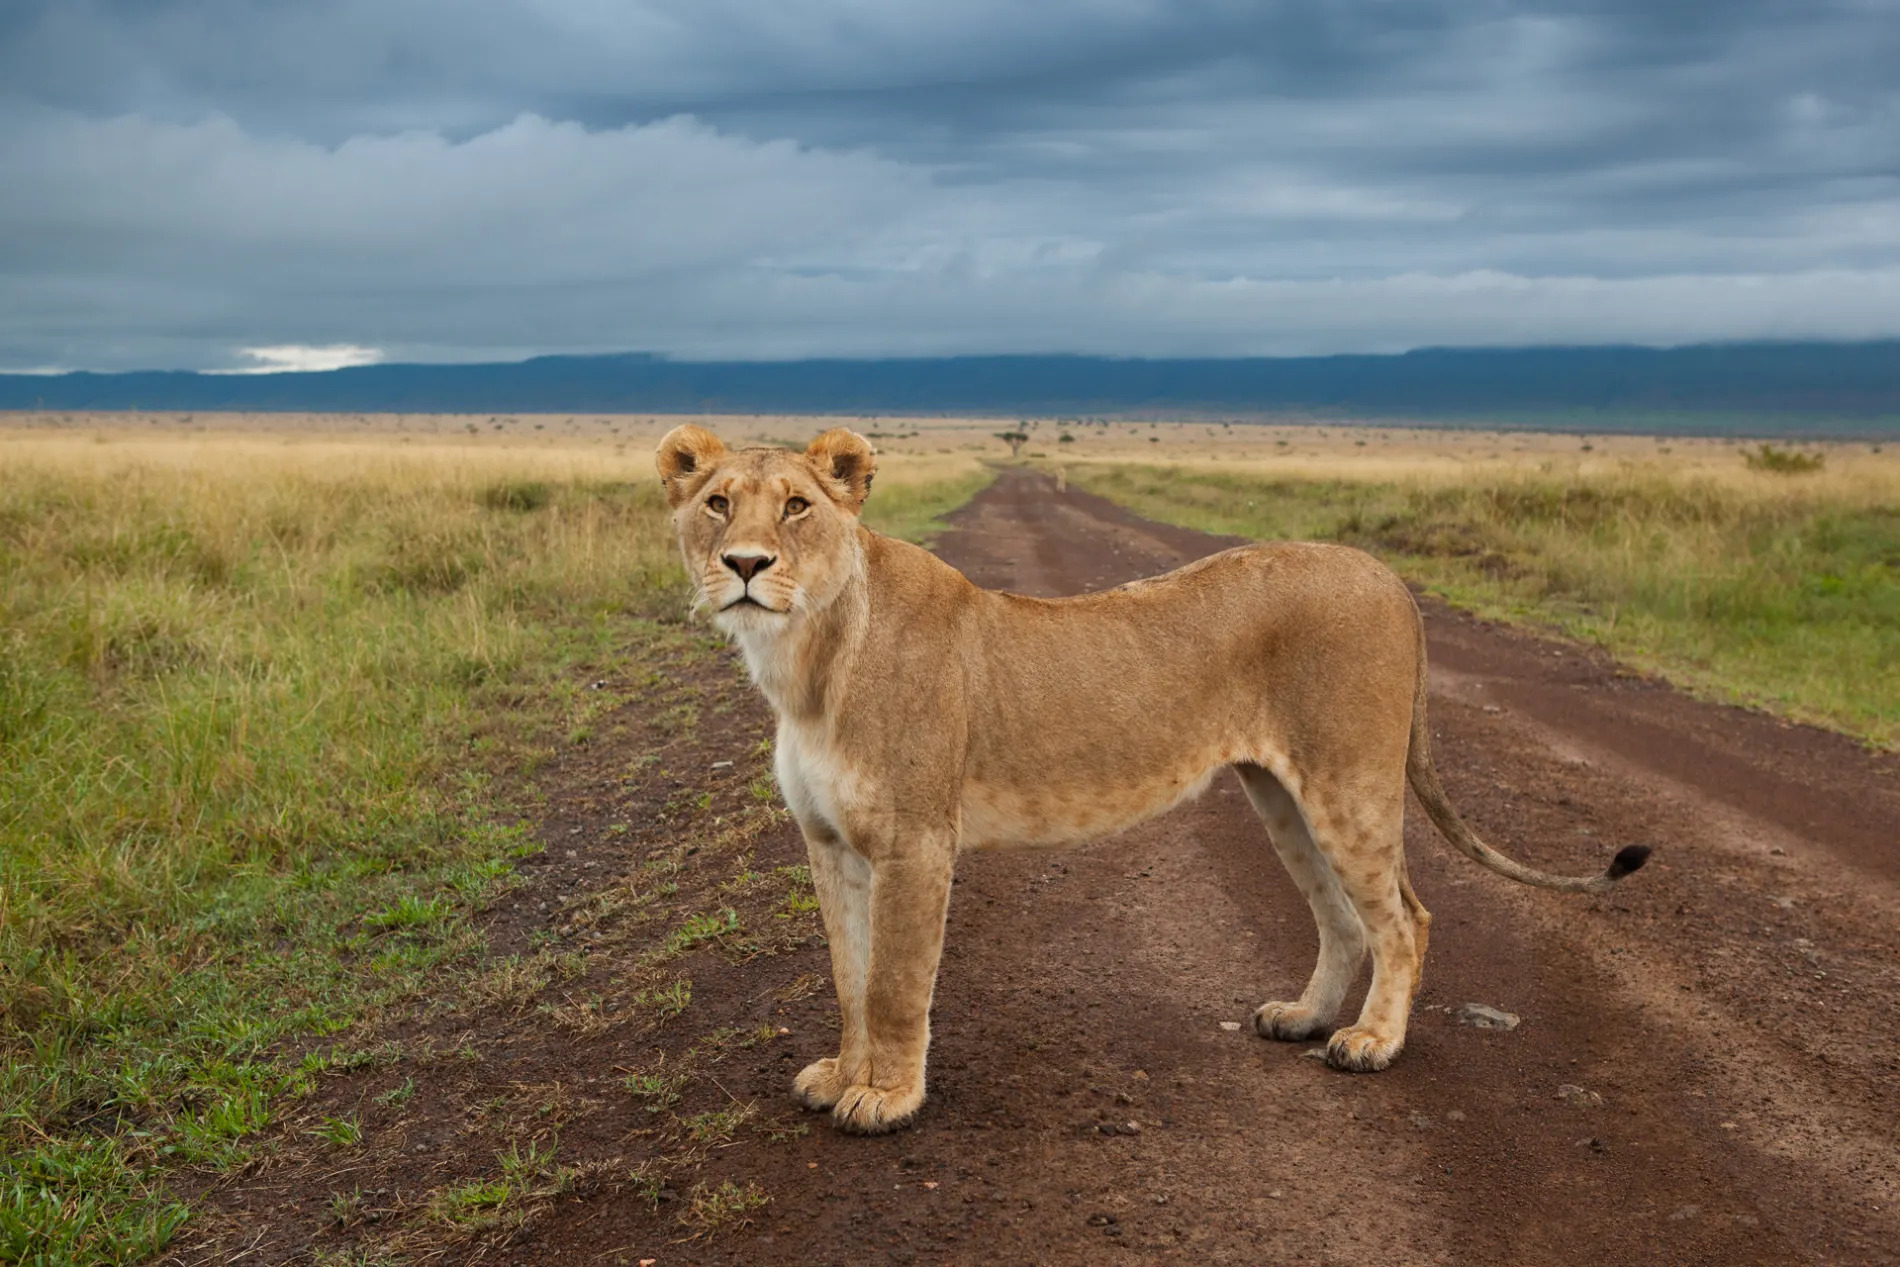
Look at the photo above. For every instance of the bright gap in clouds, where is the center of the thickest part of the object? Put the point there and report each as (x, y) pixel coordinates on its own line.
(289, 358)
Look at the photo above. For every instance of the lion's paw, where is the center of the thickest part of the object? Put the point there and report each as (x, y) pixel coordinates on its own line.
(1288, 1022)
(1359, 1050)
(819, 1085)
(867, 1110)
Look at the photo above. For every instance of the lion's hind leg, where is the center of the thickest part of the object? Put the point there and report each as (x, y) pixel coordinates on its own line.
(1341, 936)
(1362, 834)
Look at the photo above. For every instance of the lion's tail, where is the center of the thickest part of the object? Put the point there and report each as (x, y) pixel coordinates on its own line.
(1431, 793)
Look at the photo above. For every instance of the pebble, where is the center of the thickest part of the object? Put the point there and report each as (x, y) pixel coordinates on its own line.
(1484, 1016)
(1579, 1097)
(1230, 1026)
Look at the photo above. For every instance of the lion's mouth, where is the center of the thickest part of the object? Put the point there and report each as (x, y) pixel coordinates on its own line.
(746, 600)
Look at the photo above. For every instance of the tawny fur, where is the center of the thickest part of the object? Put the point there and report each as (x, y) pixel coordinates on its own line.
(919, 714)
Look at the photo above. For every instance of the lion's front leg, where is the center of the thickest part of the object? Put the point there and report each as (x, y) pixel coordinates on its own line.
(842, 879)
(909, 898)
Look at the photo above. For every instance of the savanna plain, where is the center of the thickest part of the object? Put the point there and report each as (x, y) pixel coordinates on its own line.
(390, 867)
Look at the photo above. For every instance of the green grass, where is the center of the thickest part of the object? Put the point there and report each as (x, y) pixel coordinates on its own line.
(248, 692)
(667, 1001)
(399, 1094)
(659, 1091)
(717, 1126)
(481, 1204)
(727, 1207)
(700, 928)
(1778, 590)
(242, 717)
(341, 1132)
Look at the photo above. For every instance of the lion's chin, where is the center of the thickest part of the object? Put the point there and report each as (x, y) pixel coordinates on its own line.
(749, 616)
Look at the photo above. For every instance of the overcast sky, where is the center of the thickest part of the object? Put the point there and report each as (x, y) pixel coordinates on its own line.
(221, 184)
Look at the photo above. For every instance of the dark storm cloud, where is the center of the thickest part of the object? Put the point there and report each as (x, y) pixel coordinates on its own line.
(466, 178)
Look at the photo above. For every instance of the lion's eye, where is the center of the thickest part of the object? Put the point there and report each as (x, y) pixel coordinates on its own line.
(796, 506)
(717, 504)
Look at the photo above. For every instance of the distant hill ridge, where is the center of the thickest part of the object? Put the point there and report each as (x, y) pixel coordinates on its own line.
(1797, 384)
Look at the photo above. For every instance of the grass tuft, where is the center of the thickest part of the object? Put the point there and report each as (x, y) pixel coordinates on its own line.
(1769, 457)
(521, 495)
(727, 1207)
(341, 1132)
(717, 1126)
(667, 1001)
(658, 1091)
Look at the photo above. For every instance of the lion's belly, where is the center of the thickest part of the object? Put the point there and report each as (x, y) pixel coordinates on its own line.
(1043, 801)
(1063, 813)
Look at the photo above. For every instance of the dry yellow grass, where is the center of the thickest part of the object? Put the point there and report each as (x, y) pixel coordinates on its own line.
(1314, 449)
(1759, 586)
(433, 455)
(1863, 472)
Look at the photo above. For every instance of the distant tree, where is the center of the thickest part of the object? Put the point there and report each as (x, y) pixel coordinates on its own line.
(1014, 439)
(1065, 438)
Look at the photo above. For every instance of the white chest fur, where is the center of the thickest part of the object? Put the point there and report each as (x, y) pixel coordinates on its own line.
(819, 786)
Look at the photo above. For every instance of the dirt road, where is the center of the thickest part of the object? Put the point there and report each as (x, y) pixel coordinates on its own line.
(1726, 1023)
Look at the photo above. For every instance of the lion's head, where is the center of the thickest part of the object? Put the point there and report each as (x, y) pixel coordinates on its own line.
(768, 535)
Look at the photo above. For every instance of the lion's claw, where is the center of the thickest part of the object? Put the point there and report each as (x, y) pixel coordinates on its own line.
(866, 1110)
(819, 1085)
(1288, 1022)
(1357, 1050)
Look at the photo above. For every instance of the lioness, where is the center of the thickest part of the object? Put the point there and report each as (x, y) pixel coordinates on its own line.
(918, 714)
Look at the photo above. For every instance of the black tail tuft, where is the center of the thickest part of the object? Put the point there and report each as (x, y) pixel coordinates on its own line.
(1629, 858)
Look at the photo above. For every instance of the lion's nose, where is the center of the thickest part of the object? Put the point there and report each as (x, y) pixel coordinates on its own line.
(749, 565)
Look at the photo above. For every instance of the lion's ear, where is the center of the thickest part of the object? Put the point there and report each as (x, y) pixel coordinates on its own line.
(843, 459)
(684, 457)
